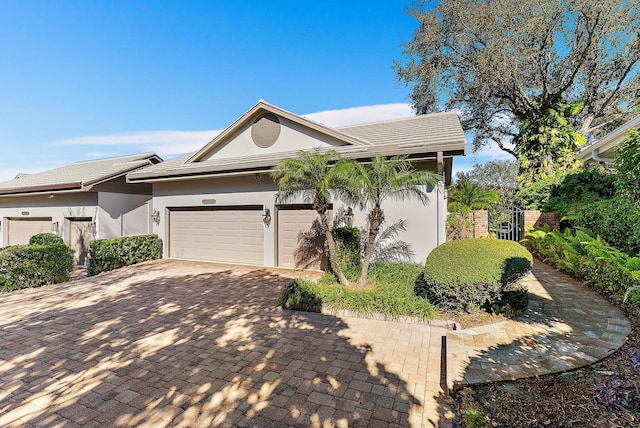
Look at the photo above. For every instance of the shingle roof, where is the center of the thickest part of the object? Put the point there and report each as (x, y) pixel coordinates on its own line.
(78, 176)
(424, 129)
(419, 135)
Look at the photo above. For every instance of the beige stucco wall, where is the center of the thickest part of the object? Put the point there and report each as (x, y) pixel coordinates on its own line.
(59, 208)
(115, 214)
(122, 215)
(292, 137)
(423, 232)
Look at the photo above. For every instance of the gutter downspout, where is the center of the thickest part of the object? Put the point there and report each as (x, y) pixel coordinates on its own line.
(595, 154)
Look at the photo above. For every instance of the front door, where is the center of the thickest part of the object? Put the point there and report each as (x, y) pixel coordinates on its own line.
(80, 235)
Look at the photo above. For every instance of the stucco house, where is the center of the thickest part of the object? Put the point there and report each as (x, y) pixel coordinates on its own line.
(604, 149)
(78, 202)
(218, 203)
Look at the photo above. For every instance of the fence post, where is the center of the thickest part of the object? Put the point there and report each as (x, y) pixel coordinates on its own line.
(480, 223)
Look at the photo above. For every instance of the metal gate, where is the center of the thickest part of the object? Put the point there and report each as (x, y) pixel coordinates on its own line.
(507, 222)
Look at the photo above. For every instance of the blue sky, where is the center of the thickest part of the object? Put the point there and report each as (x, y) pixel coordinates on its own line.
(87, 79)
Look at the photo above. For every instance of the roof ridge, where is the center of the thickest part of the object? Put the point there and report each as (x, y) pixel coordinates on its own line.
(140, 155)
(398, 119)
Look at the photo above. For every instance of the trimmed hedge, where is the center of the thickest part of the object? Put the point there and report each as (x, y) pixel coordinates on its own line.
(34, 265)
(114, 253)
(589, 259)
(392, 295)
(45, 239)
(471, 273)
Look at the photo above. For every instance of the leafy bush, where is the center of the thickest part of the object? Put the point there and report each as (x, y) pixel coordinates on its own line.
(348, 248)
(391, 294)
(616, 219)
(34, 265)
(110, 254)
(472, 273)
(45, 239)
(579, 189)
(589, 259)
(628, 165)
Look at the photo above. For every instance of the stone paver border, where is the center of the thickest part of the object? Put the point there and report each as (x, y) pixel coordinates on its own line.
(565, 326)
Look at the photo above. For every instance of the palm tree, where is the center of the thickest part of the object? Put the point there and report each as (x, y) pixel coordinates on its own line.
(384, 178)
(467, 196)
(312, 176)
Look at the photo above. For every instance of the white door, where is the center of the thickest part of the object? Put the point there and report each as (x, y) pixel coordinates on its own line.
(20, 230)
(222, 235)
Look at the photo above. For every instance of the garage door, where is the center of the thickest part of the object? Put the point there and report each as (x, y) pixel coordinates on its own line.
(20, 230)
(224, 235)
(300, 241)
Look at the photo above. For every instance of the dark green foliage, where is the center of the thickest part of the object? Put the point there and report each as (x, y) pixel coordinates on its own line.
(34, 265)
(617, 220)
(466, 274)
(391, 293)
(110, 254)
(45, 239)
(587, 258)
(579, 189)
(348, 249)
(628, 165)
(301, 295)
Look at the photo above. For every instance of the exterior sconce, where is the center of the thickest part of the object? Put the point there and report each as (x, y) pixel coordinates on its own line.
(55, 227)
(155, 217)
(50, 195)
(258, 176)
(266, 217)
(93, 228)
(348, 217)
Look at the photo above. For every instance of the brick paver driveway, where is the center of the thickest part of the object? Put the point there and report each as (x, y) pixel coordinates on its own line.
(173, 343)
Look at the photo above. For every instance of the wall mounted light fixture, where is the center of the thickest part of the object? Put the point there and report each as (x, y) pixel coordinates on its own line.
(266, 217)
(258, 176)
(155, 217)
(55, 227)
(93, 228)
(50, 195)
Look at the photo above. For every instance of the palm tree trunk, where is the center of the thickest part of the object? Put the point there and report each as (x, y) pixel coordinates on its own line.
(331, 245)
(376, 217)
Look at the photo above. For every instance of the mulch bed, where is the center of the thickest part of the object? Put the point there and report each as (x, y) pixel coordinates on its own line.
(605, 394)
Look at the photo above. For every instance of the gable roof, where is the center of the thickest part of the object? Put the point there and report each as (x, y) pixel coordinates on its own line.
(604, 149)
(79, 176)
(264, 107)
(422, 137)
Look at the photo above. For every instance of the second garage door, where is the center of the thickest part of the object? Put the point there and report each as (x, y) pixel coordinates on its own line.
(300, 242)
(20, 230)
(222, 235)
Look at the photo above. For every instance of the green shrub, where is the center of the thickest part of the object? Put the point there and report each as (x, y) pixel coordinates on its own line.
(471, 273)
(349, 251)
(581, 188)
(391, 294)
(301, 295)
(110, 254)
(45, 239)
(34, 265)
(589, 259)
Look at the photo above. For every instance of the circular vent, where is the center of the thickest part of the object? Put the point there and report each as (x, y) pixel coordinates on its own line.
(265, 130)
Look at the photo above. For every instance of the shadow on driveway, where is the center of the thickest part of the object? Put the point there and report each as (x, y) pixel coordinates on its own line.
(186, 344)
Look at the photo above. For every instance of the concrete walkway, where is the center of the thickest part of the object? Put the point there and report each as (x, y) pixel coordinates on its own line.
(565, 326)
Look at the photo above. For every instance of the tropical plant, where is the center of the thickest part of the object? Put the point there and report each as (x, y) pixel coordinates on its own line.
(628, 165)
(313, 177)
(466, 196)
(383, 179)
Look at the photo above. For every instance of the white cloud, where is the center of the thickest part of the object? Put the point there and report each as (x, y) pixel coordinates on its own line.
(364, 114)
(162, 142)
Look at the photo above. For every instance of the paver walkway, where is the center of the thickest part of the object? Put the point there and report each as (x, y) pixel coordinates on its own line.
(173, 343)
(565, 326)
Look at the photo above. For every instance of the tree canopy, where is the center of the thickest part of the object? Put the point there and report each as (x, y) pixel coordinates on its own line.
(505, 63)
(500, 175)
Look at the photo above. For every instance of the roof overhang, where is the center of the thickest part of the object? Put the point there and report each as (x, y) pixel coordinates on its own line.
(604, 150)
(18, 191)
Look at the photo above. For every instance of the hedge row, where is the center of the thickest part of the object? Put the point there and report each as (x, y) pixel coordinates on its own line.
(470, 274)
(589, 259)
(110, 254)
(34, 265)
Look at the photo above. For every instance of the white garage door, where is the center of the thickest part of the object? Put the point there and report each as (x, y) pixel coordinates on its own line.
(228, 235)
(20, 230)
(300, 242)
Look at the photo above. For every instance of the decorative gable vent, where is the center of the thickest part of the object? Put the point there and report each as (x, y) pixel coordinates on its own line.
(265, 130)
